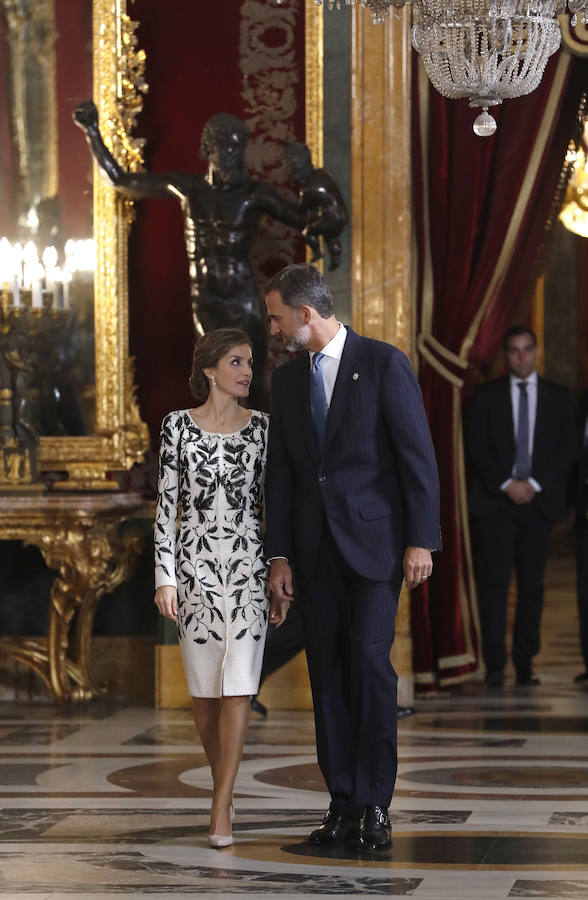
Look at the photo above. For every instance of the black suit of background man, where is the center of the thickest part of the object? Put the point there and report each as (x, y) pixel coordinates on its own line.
(352, 514)
(582, 531)
(512, 517)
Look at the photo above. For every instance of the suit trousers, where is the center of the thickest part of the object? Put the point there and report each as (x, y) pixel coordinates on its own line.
(515, 537)
(348, 624)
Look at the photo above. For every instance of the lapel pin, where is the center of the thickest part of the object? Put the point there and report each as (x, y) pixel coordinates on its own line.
(356, 376)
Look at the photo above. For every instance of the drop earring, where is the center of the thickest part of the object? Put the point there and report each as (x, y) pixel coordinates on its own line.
(213, 380)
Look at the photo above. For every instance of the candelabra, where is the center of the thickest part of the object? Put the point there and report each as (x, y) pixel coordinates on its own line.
(37, 333)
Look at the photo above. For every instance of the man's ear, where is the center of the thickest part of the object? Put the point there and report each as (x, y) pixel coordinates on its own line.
(306, 314)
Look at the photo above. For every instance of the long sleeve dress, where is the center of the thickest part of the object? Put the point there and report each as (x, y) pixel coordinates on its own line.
(208, 544)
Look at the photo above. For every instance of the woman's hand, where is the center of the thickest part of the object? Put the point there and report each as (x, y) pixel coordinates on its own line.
(278, 611)
(166, 601)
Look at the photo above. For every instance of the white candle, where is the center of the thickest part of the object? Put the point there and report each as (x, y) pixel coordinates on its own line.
(65, 285)
(37, 288)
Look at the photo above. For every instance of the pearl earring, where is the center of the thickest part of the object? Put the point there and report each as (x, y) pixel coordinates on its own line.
(213, 380)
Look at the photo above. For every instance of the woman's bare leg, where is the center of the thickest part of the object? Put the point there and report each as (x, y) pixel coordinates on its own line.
(222, 726)
(206, 712)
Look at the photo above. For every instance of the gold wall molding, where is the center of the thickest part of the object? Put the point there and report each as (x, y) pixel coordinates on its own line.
(381, 179)
(120, 438)
(314, 65)
(381, 218)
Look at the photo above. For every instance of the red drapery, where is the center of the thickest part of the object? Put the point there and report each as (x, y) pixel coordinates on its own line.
(481, 207)
(74, 83)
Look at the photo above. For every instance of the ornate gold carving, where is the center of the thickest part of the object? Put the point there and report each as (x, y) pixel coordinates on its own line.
(314, 42)
(79, 538)
(18, 468)
(121, 438)
(128, 150)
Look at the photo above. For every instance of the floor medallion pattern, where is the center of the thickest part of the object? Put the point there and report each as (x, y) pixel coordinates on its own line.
(491, 801)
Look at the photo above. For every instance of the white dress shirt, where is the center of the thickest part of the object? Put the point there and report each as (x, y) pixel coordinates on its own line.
(332, 353)
(515, 397)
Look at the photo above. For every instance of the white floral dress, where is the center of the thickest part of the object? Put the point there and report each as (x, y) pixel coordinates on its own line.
(214, 554)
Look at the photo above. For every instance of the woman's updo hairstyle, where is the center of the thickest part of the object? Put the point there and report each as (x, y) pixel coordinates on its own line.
(211, 347)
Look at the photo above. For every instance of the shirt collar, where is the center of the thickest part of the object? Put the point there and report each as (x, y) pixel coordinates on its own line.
(531, 380)
(335, 346)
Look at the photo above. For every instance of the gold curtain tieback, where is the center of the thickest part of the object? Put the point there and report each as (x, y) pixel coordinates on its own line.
(431, 349)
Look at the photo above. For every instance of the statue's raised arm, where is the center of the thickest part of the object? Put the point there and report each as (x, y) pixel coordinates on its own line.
(133, 184)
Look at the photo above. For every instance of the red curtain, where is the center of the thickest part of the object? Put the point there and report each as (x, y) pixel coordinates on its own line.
(73, 22)
(481, 207)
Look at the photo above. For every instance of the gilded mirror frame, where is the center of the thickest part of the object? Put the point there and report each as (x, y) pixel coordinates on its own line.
(120, 438)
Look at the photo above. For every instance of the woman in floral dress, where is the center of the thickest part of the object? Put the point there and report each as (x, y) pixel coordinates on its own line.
(210, 575)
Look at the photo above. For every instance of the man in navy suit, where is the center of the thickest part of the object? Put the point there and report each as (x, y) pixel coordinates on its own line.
(521, 444)
(352, 504)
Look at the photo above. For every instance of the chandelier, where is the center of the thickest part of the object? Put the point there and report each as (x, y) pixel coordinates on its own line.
(574, 212)
(484, 50)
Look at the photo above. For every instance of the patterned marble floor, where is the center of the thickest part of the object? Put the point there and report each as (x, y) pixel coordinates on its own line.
(491, 799)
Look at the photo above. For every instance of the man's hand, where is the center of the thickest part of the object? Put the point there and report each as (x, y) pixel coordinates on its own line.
(520, 491)
(166, 601)
(280, 582)
(280, 579)
(417, 565)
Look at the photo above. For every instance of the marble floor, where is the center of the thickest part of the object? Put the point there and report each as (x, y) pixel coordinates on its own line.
(491, 799)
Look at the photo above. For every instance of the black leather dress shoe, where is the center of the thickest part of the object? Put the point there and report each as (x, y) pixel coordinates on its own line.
(495, 678)
(335, 829)
(376, 831)
(258, 707)
(525, 679)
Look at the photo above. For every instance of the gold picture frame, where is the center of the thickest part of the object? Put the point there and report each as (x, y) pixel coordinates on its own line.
(120, 438)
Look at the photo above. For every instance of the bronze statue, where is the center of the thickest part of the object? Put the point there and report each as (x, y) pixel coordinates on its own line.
(221, 212)
(321, 200)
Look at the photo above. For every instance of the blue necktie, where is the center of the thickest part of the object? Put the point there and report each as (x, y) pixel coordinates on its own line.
(522, 468)
(318, 400)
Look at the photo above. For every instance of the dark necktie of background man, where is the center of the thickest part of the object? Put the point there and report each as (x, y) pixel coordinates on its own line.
(522, 468)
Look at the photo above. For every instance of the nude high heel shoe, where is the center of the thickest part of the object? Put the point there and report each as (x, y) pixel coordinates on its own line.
(222, 840)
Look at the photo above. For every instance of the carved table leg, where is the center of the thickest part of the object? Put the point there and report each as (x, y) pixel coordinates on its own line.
(91, 560)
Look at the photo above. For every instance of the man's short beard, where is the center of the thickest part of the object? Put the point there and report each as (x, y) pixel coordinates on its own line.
(300, 340)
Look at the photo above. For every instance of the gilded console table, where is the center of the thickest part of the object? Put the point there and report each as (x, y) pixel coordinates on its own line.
(80, 537)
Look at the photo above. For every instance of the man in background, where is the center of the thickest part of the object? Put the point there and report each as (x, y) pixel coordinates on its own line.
(520, 444)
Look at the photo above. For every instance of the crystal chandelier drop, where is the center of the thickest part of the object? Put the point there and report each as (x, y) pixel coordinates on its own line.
(581, 7)
(485, 50)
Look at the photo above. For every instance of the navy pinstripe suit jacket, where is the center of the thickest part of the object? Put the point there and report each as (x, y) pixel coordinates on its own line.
(376, 483)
